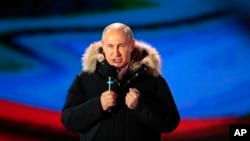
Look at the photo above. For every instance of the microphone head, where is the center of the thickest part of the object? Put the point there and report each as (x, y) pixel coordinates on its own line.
(109, 70)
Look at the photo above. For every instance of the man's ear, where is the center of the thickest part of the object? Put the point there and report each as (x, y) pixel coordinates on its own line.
(133, 45)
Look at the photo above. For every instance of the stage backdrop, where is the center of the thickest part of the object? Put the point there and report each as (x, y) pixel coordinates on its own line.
(204, 47)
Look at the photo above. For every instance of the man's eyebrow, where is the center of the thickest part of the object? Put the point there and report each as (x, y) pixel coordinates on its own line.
(109, 44)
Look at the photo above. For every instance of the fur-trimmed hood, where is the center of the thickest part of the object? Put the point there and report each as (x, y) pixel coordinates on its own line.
(143, 54)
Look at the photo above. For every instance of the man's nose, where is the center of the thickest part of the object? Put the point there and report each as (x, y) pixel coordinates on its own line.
(117, 51)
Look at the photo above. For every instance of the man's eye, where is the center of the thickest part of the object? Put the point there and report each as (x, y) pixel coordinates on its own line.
(122, 46)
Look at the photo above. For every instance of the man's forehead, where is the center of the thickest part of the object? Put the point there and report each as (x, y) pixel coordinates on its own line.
(116, 34)
(115, 39)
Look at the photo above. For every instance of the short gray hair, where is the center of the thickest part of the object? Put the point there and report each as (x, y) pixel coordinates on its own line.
(126, 29)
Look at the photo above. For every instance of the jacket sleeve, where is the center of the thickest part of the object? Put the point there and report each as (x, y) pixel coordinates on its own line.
(78, 113)
(158, 112)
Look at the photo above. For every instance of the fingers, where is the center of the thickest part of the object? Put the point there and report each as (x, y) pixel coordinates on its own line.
(108, 99)
(134, 92)
(132, 98)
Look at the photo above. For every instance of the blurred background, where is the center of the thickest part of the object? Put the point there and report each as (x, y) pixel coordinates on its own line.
(204, 47)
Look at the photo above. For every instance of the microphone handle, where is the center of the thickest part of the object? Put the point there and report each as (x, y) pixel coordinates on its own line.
(110, 82)
(109, 110)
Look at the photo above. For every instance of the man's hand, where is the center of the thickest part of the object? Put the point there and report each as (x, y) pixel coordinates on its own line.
(108, 99)
(132, 98)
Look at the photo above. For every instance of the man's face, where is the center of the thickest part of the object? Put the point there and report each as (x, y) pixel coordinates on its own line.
(117, 47)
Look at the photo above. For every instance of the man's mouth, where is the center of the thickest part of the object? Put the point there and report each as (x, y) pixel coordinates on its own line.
(117, 60)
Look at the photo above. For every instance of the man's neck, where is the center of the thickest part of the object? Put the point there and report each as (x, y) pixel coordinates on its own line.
(122, 72)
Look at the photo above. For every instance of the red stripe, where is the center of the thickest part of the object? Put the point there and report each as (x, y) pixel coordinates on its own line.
(28, 114)
(188, 128)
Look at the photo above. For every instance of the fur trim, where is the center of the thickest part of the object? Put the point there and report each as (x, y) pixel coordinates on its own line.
(143, 54)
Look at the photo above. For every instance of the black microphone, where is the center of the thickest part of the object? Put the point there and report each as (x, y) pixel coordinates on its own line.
(111, 73)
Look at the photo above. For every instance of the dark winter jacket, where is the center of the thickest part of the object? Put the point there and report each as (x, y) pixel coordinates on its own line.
(156, 111)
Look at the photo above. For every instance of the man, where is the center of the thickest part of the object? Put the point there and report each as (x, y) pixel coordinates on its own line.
(120, 94)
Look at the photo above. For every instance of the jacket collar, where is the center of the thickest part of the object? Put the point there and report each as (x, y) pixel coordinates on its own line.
(143, 54)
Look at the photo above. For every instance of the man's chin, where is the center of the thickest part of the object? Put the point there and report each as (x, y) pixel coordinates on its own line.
(119, 66)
